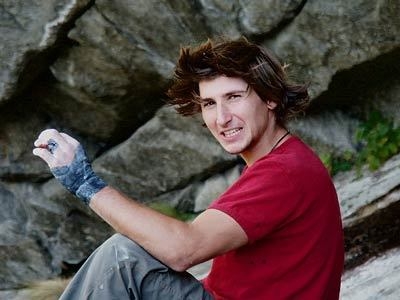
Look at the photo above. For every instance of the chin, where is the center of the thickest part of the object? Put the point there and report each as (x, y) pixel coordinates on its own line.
(233, 151)
(234, 148)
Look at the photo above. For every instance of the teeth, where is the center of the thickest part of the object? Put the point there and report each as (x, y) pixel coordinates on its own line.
(232, 132)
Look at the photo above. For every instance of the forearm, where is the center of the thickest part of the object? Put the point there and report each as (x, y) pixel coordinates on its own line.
(168, 239)
(177, 244)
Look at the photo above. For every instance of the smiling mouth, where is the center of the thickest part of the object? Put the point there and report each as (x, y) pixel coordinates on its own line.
(231, 132)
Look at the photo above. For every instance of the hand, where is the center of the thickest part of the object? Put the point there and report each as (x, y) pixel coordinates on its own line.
(68, 163)
(62, 151)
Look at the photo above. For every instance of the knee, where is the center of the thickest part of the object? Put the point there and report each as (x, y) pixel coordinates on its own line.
(116, 242)
(120, 248)
(118, 239)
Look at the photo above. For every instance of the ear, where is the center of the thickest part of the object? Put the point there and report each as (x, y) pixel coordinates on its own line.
(271, 104)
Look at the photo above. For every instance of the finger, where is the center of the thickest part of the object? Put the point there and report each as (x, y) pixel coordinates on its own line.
(59, 139)
(51, 135)
(44, 136)
(39, 144)
(69, 139)
(45, 155)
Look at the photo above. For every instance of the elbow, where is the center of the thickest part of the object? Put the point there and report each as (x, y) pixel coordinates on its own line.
(179, 267)
(182, 259)
(184, 251)
(180, 262)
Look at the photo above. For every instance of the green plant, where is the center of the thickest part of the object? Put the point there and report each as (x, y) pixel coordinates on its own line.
(170, 211)
(378, 139)
(326, 159)
(336, 164)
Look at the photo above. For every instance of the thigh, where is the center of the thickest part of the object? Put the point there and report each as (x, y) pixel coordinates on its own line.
(173, 285)
(121, 269)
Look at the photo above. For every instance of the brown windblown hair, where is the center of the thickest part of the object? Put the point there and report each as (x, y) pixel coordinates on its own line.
(235, 58)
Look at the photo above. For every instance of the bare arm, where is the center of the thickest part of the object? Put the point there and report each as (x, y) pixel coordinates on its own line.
(178, 244)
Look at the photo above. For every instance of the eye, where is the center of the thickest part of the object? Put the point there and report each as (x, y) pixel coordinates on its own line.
(208, 103)
(235, 96)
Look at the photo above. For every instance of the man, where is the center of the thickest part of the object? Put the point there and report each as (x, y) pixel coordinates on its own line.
(276, 233)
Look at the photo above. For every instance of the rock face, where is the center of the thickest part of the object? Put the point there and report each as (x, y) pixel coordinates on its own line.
(99, 71)
(377, 279)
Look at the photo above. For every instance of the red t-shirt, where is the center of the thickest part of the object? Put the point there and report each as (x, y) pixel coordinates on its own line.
(288, 207)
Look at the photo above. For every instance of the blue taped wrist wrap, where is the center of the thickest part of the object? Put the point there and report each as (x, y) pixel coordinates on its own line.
(79, 178)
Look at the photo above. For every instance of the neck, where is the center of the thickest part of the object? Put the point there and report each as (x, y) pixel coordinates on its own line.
(272, 139)
(280, 140)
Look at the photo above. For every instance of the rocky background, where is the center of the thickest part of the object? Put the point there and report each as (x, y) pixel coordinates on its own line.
(99, 69)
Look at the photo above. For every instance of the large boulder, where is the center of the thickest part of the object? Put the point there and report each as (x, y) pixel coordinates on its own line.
(116, 74)
(29, 32)
(370, 205)
(99, 71)
(327, 38)
(378, 278)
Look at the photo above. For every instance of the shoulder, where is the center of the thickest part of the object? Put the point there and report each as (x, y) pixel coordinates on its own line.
(294, 155)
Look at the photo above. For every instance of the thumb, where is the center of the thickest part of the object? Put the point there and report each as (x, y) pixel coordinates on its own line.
(45, 155)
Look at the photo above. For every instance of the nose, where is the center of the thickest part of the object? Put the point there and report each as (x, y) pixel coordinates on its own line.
(224, 115)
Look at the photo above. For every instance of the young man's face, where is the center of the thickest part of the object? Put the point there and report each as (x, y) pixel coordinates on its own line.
(236, 116)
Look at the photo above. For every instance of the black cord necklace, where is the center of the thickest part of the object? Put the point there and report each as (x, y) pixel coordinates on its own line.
(281, 138)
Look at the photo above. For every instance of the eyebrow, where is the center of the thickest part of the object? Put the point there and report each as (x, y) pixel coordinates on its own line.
(226, 95)
(235, 92)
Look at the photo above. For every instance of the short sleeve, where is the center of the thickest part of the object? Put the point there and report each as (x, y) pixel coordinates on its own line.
(261, 200)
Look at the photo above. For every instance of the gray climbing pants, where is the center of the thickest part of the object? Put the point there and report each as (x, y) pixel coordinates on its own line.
(121, 269)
